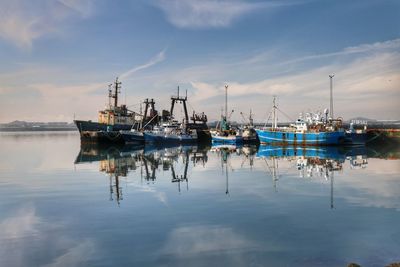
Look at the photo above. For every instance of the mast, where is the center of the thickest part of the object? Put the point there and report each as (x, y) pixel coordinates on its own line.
(331, 95)
(179, 99)
(117, 90)
(251, 119)
(274, 114)
(226, 102)
(109, 95)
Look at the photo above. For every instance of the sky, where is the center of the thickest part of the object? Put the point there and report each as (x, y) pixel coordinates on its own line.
(57, 57)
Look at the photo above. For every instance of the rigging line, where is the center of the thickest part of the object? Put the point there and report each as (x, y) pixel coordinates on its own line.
(287, 116)
(134, 105)
(190, 106)
(269, 168)
(269, 116)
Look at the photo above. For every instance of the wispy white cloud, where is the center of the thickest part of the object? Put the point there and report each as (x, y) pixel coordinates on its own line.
(157, 59)
(209, 13)
(52, 97)
(83, 7)
(363, 48)
(24, 21)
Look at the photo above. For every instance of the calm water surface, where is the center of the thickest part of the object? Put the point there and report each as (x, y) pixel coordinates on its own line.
(63, 205)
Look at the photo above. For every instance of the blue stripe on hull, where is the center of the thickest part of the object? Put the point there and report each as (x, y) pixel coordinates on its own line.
(301, 139)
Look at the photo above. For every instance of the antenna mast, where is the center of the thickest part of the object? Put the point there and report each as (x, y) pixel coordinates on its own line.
(109, 95)
(275, 116)
(117, 90)
(226, 102)
(331, 95)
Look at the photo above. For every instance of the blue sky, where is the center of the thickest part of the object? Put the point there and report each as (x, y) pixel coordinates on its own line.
(57, 56)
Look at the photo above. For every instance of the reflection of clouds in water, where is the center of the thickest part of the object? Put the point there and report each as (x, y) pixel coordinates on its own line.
(22, 224)
(75, 256)
(24, 235)
(376, 186)
(198, 244)
(161, 196)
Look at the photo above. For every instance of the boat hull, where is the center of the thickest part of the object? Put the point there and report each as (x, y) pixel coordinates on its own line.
(169, 139)
(301, 139)
(357, 138)
(132, 137)
(84, 126)
(229, 140)
(106, 137)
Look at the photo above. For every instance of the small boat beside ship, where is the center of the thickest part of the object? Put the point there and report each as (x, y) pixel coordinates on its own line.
(132, 136)
(171, 133)
(249, 133)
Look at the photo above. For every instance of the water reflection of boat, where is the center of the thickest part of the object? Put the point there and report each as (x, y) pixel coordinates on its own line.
(339, 153)
(115, 161)
(310, 162)
(313, 162)
(225, 151)
(118, 161)
(96, 152)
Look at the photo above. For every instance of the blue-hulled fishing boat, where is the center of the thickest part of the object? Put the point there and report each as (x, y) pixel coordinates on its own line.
(313, 130)
(225, 134)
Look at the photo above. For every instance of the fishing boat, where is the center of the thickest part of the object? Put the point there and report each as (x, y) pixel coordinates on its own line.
(356, 136)
(196, 122)
(313, 130)
(225, 134)
(171, 133)
(249, 133)
(114, 119)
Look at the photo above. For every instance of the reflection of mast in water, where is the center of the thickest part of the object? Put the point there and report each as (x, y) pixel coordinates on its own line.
(116, 167)
(332, 192)
(227, 178)
(224, 161)
(199, 157)
(118, 189)
(178, 179)
(153, 166)
(273, 171)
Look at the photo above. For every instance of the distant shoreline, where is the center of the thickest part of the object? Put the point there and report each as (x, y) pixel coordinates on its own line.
(24, 126)
(36, 129)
